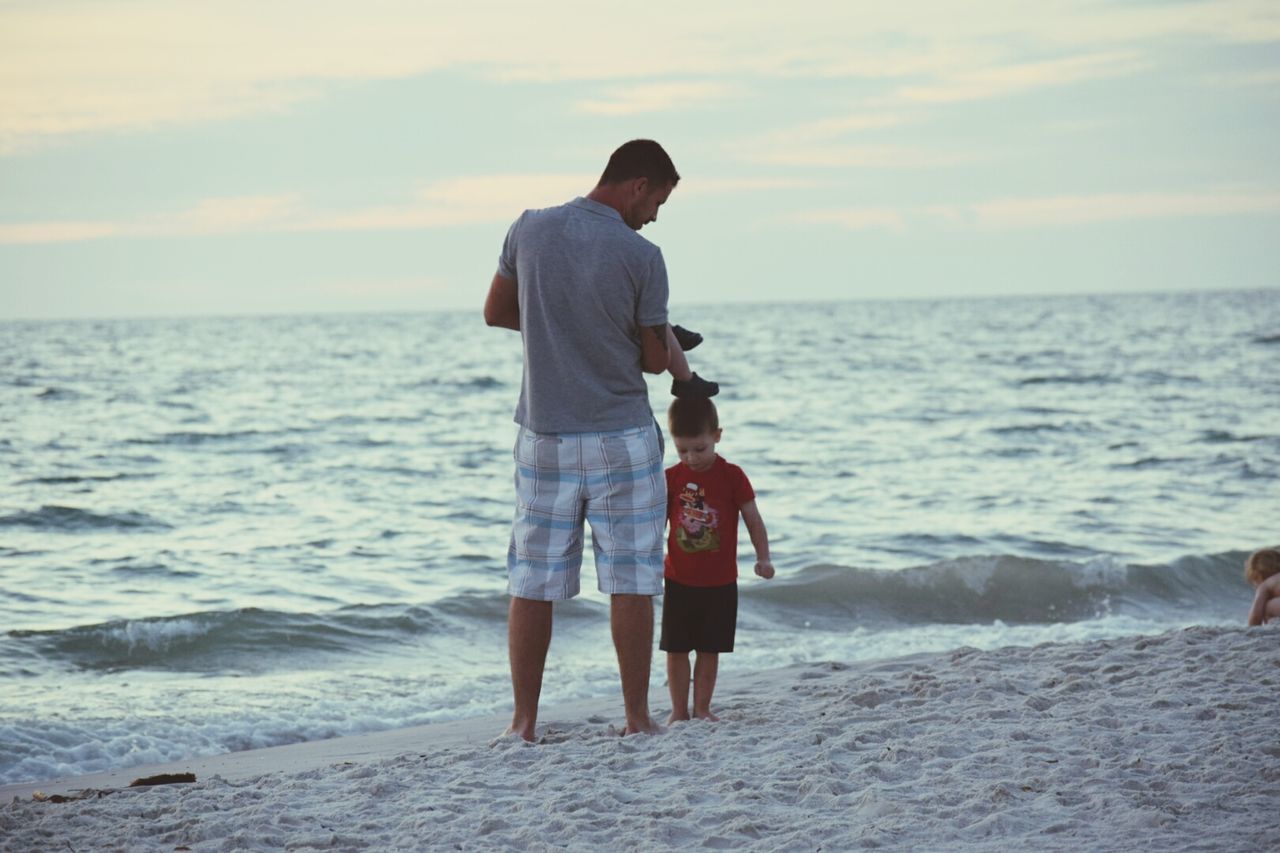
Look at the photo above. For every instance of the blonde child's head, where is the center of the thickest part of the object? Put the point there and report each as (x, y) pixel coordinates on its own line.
(1261, 565)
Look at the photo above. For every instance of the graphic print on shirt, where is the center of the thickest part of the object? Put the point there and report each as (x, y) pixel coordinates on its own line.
(699, 528)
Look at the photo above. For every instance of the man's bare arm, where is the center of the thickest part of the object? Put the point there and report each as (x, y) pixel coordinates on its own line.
(655, 355)
(502, 305)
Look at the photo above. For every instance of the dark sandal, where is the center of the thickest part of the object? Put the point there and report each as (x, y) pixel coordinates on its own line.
(685, 338)
(693, 387)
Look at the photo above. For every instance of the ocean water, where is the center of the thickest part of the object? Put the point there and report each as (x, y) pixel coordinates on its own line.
(218, 534)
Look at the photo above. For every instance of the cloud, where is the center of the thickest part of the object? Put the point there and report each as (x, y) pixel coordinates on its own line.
(1008, 214)
(473, 200)
(657, 97)
(226, 216)
(841, 143)
(719, 186)
(1011, 79)
(208, 217)
(56, 232)
(413, 286)
(461, 201)
(1114, 207)
(1265, 78)
(71, 67)
(852, 219)
(855, 156)
(833, 143)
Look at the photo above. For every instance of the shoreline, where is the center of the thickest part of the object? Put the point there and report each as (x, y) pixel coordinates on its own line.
(599, 712)
(314, 754)
(1165, 741)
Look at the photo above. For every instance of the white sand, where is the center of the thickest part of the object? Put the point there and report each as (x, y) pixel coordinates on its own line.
(1157, 743)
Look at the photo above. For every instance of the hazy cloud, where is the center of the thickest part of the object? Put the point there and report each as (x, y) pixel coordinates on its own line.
(460, 201)
(852, 218)
(998, 81)
(1051, 212)
(656, 97)
(133, 64)
(854, 156)
(474, 200)
(1112, 207)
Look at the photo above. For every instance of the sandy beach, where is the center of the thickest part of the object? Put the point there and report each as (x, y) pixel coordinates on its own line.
(1153, 743)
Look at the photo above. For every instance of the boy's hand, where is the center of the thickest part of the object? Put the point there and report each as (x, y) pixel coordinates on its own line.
(764, 568)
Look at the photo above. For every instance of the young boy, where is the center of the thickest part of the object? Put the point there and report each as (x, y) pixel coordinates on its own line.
(1262, 569)
(705, 494)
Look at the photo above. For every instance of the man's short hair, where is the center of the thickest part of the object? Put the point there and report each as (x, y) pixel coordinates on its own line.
(1261, 565)
(690, 417)
(640, 158)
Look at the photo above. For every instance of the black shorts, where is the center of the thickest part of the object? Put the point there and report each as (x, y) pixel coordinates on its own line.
(698, 618)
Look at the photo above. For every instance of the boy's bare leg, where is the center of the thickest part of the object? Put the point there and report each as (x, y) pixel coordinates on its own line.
(704, 684)
(631, 618)
(678, 685)
(678, 367)
(528, 638)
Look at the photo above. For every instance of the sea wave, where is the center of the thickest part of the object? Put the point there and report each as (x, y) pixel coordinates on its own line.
(971, 590)
(472, 383)
(259, 640)
(52, 393)
(1069, 379)
(69, 518)
(1221, 436)
(1005, 588)
(188, 438)
(246, 638)
(84, 478)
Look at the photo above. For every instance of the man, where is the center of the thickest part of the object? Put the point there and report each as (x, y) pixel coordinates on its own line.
(589, 296)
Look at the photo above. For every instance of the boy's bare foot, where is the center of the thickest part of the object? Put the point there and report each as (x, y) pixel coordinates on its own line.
(687, 339)
(694, 386)
(677, 718)
(524, 732)
(706, 715)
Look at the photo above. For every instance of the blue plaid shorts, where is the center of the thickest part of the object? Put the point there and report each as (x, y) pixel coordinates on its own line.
(613, 481)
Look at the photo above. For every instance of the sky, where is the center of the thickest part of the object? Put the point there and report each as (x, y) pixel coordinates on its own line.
(175, 158)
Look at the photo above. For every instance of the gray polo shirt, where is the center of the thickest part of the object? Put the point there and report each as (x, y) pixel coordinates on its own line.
(587, 283)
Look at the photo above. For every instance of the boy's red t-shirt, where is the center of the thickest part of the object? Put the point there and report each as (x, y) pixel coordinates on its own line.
(702, 511)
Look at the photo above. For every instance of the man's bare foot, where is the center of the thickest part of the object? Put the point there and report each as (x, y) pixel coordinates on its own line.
(677, 717)
(706, 715)
(643, 727)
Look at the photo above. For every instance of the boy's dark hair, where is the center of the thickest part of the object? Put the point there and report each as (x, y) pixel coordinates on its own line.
(690, 417)
(640, 158)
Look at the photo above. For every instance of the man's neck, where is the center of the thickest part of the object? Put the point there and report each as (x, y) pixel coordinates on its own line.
(610, 195)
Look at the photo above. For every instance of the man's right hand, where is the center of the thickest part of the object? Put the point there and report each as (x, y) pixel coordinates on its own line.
(502, 305)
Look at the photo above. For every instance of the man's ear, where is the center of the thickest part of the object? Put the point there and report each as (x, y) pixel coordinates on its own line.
(641, 186)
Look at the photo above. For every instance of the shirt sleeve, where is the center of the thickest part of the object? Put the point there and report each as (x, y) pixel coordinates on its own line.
(742, 491)
(651, 305)
(507, 260)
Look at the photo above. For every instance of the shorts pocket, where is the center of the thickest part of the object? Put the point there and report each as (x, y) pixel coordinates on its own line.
(538, 451)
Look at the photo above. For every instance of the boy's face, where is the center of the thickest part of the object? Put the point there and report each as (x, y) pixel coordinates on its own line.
(699, 451)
